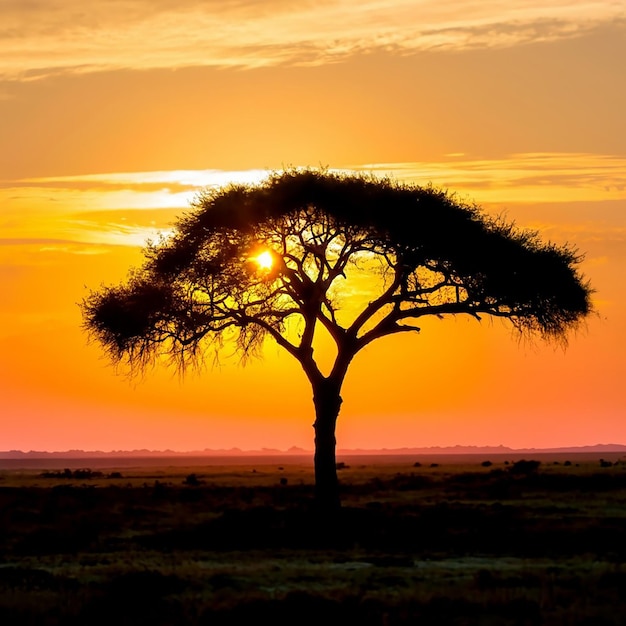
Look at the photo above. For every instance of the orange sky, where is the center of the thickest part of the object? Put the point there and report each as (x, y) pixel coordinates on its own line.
(113, 115)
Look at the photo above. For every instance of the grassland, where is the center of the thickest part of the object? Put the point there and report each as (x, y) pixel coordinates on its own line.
(459, 544)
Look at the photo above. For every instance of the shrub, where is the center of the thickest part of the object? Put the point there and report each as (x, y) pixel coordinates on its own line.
(192, 480)
(524, 467)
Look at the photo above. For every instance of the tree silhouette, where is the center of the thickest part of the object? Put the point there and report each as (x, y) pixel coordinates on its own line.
(293, 257)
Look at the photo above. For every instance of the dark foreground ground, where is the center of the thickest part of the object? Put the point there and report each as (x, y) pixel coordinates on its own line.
(501, 544)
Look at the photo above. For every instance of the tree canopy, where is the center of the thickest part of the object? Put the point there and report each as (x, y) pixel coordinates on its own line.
(355, 256)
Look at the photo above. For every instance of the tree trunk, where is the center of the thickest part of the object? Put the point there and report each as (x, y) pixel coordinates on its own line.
(327, 404)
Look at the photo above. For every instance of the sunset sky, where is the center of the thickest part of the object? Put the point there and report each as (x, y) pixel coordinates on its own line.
(114, 114)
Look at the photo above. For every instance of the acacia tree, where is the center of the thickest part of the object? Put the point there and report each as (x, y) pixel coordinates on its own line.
(281, 260)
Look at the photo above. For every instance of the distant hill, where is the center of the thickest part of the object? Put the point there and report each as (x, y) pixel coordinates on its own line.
(434, 450)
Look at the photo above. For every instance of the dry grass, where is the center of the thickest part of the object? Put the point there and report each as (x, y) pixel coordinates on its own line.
(452, 544)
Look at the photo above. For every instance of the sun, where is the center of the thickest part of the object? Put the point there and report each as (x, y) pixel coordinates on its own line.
(264, 260)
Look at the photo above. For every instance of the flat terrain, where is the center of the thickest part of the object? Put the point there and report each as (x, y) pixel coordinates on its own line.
(458, 541)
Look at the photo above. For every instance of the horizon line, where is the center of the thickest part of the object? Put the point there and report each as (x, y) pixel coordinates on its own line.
(295, 450)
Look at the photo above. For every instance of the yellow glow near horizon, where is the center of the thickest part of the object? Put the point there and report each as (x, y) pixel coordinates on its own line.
(105, 219)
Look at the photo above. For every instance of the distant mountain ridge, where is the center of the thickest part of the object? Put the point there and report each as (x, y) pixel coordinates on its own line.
(439, 450)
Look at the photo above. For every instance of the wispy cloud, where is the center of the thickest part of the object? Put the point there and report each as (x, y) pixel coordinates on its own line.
(576, 197)
(529, 177)
(39, 37)
(126, 208)
(525, 177)
(171, 181)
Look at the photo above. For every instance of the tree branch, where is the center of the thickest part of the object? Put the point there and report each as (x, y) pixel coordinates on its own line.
(375, 305)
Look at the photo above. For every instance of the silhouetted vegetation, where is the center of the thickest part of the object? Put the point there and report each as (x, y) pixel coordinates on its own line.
(524, 467)
(422, 251)
(467, 546)
(77, 474)
(192, 480)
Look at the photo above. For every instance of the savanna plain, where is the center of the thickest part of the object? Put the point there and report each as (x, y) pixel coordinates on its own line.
(448, 540)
